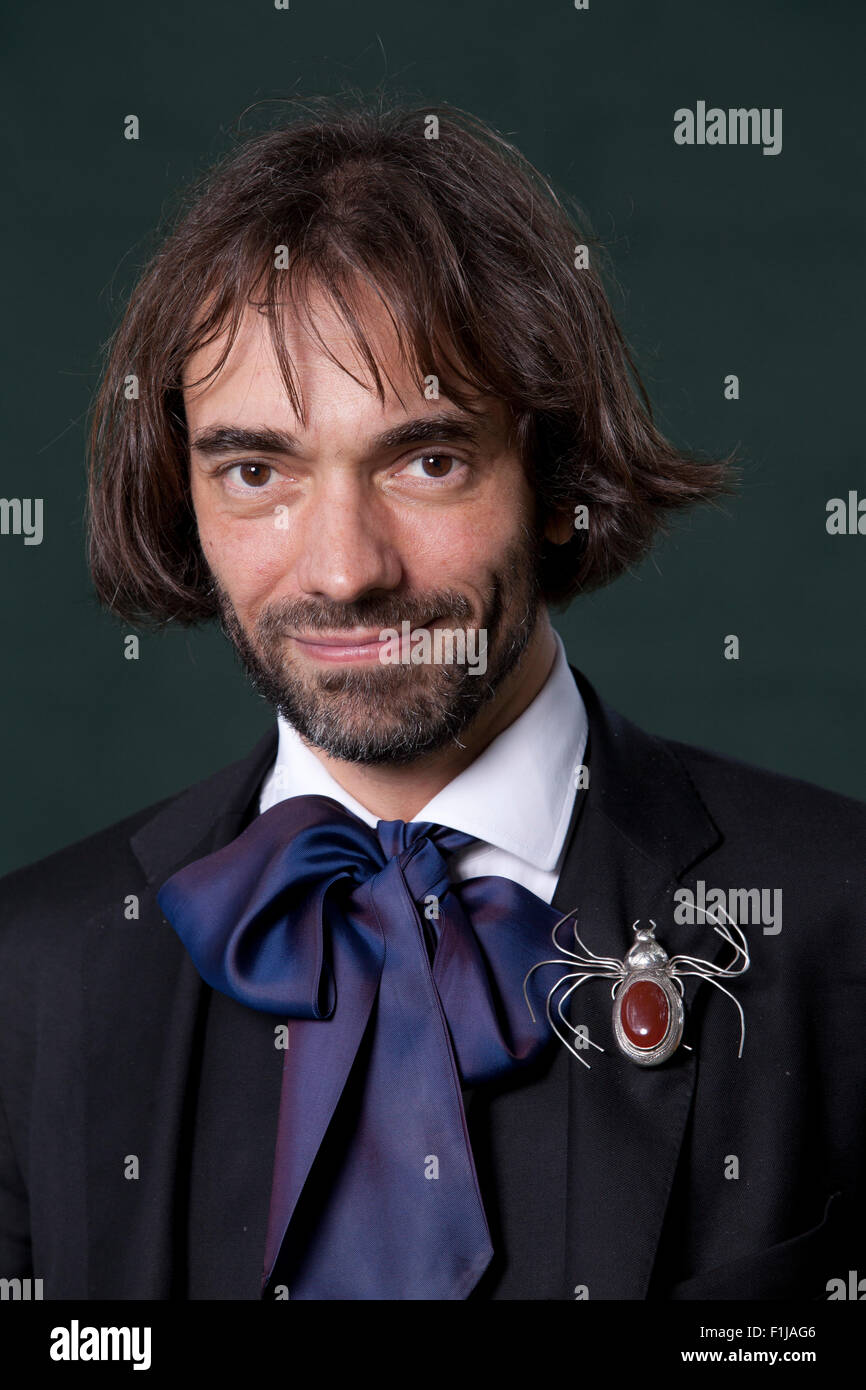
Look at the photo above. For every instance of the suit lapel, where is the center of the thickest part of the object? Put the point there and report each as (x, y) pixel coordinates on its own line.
(578, 1164)
(144, 1020)
(642, 828)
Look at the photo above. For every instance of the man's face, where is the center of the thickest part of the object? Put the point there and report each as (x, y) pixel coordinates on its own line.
(321, 536)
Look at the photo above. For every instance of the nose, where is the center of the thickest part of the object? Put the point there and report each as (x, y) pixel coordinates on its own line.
(347, 545)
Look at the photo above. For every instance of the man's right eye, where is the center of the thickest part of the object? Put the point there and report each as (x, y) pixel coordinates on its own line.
(252, 475)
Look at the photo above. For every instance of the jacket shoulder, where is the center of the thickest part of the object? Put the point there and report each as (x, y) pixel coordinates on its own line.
(103, 863)
(734, 793)
(736, 777)
(789, 813)
(61, 875)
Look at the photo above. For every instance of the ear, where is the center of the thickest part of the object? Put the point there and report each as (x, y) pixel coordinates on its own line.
(559, 528)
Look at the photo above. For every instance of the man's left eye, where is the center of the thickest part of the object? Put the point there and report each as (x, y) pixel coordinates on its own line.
(434, 465)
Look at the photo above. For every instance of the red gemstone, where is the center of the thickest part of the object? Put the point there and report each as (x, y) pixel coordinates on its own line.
(645, 1014)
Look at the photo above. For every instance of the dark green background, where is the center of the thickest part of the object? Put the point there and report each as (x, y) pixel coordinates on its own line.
(727, 261)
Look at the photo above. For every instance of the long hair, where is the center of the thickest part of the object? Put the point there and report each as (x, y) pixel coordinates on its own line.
(476, 260)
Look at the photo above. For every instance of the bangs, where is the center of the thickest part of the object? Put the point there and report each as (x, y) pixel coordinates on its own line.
(428, 331)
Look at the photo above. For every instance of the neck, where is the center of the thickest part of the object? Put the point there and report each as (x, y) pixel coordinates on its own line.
(399, 792)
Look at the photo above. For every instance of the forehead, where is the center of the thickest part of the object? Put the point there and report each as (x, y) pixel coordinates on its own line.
(333, 380)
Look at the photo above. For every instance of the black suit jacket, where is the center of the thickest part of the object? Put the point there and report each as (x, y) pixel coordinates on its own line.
(139, 1107)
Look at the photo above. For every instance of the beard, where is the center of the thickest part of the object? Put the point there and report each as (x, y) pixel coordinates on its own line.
(387, 713)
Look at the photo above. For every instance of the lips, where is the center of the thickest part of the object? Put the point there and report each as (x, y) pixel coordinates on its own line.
(355, 638)
(356, 644)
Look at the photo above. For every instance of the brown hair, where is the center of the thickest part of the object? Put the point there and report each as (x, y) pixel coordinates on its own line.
(474, 256)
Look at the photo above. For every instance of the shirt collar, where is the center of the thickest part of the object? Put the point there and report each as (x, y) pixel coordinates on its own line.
(516, 795)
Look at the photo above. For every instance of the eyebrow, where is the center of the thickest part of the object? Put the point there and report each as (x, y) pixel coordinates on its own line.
(216, 440)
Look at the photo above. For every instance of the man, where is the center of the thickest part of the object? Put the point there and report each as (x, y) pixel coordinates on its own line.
(312, 1029)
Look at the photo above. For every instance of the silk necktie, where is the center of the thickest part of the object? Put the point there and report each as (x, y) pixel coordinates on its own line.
(313, 916)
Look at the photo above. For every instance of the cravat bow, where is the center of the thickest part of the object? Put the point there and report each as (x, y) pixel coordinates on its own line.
(312, 915)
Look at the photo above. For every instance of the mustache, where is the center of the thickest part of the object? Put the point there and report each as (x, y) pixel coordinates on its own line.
(383, 611)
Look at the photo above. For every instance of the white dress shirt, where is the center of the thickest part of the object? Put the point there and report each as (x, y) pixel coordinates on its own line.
(515, 799)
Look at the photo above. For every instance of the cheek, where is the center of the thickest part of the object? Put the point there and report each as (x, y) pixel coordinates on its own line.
(247, 557)
(464, 545)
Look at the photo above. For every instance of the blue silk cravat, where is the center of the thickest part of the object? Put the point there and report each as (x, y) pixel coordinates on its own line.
(313, 916)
